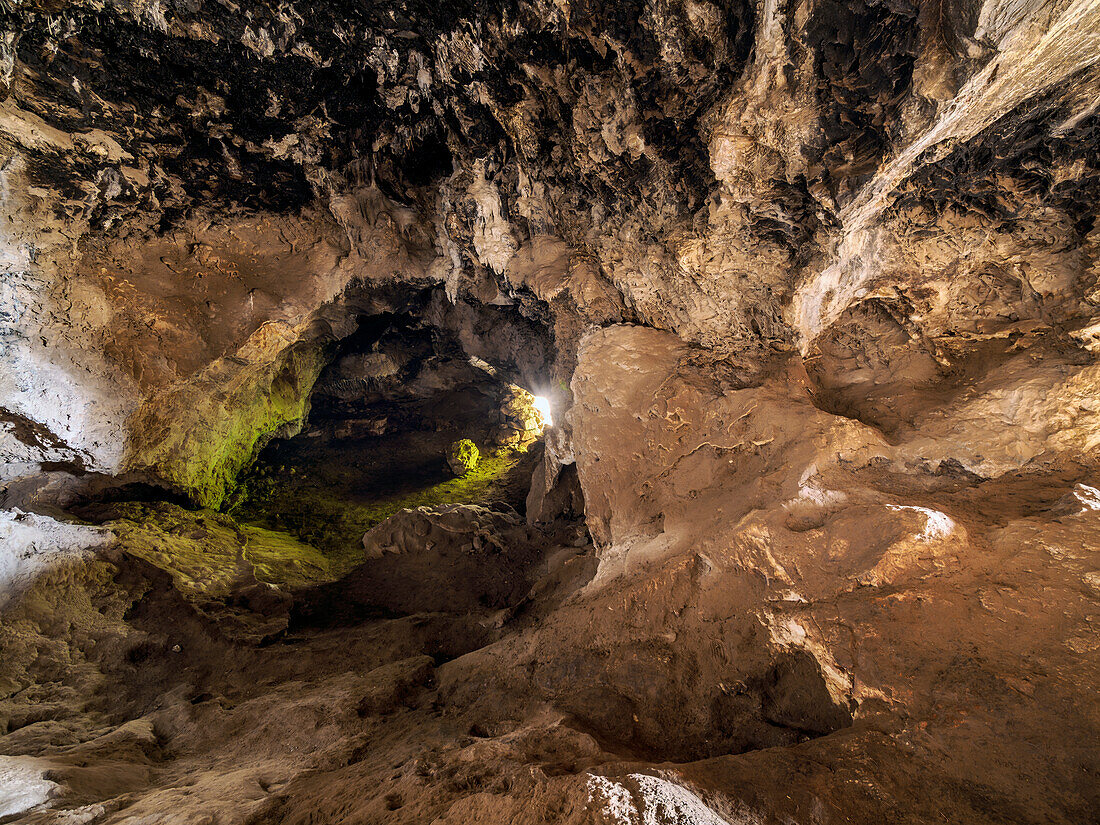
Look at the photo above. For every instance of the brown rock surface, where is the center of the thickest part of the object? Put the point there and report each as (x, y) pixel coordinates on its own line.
(810, 286)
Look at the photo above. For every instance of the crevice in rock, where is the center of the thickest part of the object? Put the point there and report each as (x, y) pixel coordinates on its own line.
(33, 434)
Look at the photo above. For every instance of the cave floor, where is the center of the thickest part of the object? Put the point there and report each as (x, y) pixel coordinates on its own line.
(170, 682)
(328, 492)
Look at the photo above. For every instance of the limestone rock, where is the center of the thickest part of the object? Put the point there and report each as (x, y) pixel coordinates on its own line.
(455, 558)
(394, 684)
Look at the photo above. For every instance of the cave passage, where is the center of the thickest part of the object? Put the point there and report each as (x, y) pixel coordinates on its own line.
(395, 397)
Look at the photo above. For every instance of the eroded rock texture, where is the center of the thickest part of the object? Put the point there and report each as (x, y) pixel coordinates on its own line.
(812, 288)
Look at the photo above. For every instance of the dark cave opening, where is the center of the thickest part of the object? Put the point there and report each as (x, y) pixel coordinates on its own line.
(397, 395)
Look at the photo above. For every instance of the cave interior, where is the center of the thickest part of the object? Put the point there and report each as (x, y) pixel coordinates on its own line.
(670, 412)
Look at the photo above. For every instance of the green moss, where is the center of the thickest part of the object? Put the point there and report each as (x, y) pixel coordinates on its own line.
(202, 435)
(327, 518)
(463, 456)
(206, 552)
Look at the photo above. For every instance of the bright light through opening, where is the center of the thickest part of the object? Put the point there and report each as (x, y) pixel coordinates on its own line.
(543, 406)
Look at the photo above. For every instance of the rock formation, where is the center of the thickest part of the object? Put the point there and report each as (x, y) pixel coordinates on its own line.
(810, 287)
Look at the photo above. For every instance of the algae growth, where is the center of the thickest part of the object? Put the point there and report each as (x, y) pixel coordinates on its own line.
(202, 434)
(297, 504)
(207, 553)
(463, 456)
(329, 497)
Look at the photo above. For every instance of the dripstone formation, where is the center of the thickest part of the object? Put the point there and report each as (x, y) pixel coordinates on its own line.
(811, 288)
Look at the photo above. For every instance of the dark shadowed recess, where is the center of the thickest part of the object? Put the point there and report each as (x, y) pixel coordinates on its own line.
(396, 394)
(864, 58)
(1013, 166)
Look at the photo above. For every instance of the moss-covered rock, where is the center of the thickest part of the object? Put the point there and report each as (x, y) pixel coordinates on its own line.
(201, 435)
(463, 456)
(72, 607)
(333, 513)
(208, 553)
